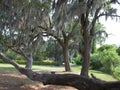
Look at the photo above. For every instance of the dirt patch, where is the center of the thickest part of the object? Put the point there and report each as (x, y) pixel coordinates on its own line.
(16, 81)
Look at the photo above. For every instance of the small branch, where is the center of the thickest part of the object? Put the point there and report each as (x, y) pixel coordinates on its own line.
(106, 14)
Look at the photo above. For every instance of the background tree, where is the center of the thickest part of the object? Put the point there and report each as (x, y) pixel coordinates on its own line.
(62, 33)
(53, 50)
(100, 36)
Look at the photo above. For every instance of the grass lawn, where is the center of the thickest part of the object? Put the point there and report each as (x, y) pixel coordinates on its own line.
(75, 69)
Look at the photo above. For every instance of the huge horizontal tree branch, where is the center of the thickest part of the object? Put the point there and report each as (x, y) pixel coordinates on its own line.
(76, 81)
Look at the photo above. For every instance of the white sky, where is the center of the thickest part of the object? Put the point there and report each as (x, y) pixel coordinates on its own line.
(113, 28)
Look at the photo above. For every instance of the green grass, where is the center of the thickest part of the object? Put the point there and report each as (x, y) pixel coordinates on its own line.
(6, 67)
(102, 75)
(75, 69)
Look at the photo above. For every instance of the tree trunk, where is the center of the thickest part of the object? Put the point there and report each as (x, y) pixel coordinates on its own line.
(66, 58)
(85, 54)
(85, 63)
(29, 62)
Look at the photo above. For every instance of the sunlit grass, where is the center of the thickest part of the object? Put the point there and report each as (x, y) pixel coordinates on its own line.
(60, 69)
(103, 76)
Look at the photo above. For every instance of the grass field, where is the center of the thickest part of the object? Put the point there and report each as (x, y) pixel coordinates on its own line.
(75, 69)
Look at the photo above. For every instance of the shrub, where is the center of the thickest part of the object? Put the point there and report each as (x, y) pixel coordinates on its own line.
(40, 62)
(116, 72)
(18, 57)
(20, 61)
(1, 61)
(10, 54)
(77, 60)
(46, 62)
(95, 61)
(118, 50)
(110, 60)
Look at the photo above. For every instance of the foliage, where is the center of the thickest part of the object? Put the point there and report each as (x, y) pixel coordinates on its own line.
(95, 61)
(1, 61)
(18, 57)
(77, 60)
(109, 58)
(118, 50)
(116, 72)
(10, 54)
(106, 59)
(107, 47)
(40, 55)
(20, 61)
(46, 62)
(50, 49)
(40, 62)
(13, 55)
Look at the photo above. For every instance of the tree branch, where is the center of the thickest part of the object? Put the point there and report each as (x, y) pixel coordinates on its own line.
(106, 14)
(53, 35)
(94, 21)
(72, 32)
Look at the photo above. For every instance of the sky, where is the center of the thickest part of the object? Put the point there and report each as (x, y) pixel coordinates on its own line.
(112, 27)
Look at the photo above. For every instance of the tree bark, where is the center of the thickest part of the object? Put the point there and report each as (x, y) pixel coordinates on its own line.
(85, 57)
(64, 44)
(66, 58)
(85, 52)
(29, 59)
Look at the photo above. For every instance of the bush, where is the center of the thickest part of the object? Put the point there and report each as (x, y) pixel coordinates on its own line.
(18, 57)
(118, 50)
(110, 60)
(1, 61)
(41, 62)
(77, 60)
(21, 61)
(95, 61)
(10, 54)
(116, 72)
(46, 62)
